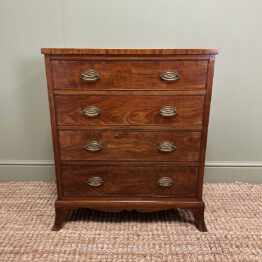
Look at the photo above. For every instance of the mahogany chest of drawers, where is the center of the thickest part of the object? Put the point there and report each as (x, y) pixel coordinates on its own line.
(129, 128)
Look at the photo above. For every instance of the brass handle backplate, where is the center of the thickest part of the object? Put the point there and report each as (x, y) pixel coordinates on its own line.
(95, 181)
(93, 146)
(90, 75)
(92, 111)
(165, 182)
(170, 75)
(166, 146)
(167, 111)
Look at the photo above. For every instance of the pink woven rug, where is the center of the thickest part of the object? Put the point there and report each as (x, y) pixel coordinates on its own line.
(233, 218)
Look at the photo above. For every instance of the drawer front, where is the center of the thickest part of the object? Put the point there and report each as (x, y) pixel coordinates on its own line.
(129, 74)
(129, 145)
(81, 181)
(129, 110)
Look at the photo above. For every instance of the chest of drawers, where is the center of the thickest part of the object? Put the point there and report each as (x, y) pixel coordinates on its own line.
(129, 128)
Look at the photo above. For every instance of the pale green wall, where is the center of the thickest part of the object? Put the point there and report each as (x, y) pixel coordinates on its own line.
(234, 26)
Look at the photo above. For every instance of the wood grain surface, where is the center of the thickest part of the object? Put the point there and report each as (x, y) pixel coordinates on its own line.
(129, 74)
(129, 181)
(129, 110)
(102, 51)
(129, 145)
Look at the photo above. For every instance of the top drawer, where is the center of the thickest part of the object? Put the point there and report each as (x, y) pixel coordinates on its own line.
(125, 74)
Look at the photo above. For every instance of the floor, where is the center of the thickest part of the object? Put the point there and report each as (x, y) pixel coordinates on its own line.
(233, 218)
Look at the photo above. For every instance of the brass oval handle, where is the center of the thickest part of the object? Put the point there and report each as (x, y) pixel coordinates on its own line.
(170, 75)
(90, 75)
(167, 111)
(165, 182)
(166, 146)
(92, 111)
(93, 146)
(95, 181)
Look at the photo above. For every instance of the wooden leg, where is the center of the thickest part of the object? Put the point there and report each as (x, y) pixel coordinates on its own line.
(198, 213)
(59, 219)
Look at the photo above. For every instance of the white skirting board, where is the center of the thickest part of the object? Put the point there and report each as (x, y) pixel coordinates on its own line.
(216, 171)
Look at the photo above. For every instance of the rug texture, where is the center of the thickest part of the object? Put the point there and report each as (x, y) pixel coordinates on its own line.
(233, 218)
